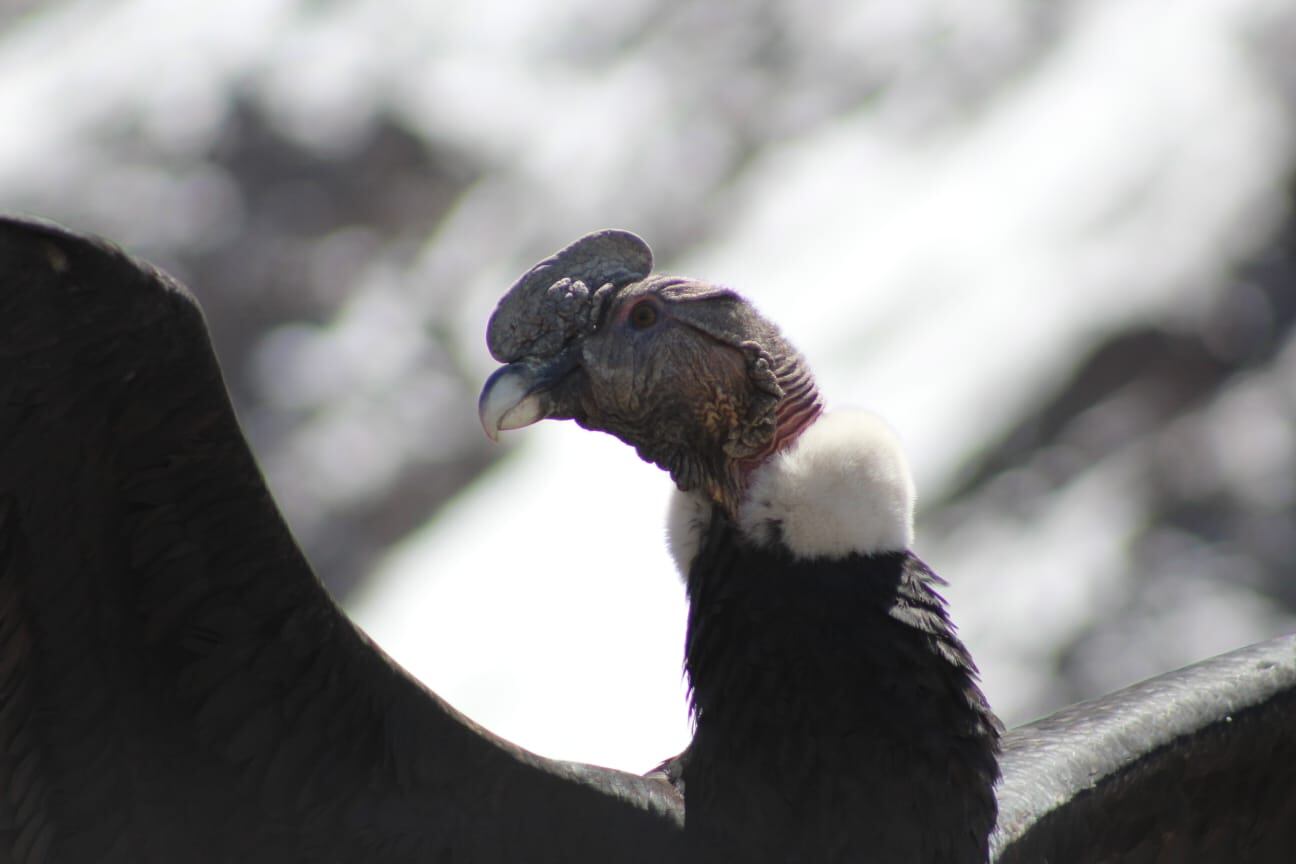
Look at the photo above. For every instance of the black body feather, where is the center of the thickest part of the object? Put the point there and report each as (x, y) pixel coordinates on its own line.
(838, 715)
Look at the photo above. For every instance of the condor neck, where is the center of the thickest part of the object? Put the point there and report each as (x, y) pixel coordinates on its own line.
(833, 702)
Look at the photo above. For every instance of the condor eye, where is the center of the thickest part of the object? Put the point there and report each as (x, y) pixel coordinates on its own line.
(643, 316)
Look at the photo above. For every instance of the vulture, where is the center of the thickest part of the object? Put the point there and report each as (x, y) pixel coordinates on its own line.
(176, 684)
(837, 715)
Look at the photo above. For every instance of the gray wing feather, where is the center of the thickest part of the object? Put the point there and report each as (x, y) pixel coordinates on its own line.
(1195, 765)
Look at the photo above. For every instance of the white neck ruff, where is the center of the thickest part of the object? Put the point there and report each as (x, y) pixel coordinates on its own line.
(842, 488)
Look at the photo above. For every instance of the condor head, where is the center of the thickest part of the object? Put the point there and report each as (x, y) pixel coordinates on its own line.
(686, 372)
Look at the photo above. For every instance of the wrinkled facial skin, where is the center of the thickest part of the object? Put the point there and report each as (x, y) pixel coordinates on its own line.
(683, 371)
(656, 380)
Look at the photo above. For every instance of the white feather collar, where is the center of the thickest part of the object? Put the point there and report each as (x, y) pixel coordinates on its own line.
(843, 487)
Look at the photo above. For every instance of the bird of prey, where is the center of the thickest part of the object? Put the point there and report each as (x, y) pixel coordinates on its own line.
(837, 714)
(176, 685)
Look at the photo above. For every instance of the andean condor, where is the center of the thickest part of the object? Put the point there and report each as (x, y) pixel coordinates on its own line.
(175, 684)
(837, 714)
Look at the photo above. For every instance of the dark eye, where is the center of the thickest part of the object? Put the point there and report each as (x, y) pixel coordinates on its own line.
(643, 316)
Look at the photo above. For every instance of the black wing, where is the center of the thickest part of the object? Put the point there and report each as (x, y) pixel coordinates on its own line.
(175, 683)
(1195, 765)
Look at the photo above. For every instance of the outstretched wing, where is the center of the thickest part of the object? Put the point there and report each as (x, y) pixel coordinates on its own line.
(175, 683)
(1195, 765)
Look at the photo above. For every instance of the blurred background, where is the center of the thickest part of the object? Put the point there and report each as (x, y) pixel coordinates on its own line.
(1052, 243)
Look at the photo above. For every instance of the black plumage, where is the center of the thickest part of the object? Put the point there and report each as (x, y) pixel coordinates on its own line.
(1195, 765)
(838, 716)
(175, 683)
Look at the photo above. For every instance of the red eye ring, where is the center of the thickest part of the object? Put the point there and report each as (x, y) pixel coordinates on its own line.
(643, 315)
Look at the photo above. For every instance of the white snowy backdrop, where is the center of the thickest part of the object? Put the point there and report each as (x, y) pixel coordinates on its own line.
(1051, 243)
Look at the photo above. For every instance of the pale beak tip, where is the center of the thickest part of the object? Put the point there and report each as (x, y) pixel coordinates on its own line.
(506, 402)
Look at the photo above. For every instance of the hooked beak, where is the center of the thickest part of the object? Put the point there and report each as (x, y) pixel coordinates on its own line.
(520, 394)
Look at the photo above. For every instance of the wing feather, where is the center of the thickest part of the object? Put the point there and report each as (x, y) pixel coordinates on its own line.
(177, 684)
(1194, 765)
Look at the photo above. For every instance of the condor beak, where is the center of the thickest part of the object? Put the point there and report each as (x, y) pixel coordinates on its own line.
(521, 393)
(509, 401)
